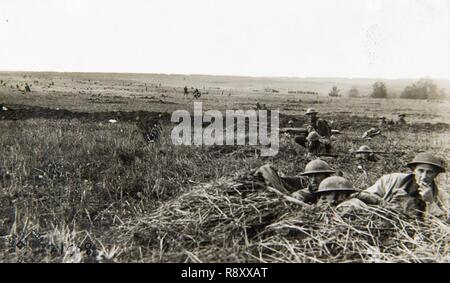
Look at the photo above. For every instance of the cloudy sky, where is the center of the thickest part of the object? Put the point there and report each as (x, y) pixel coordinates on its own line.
(298, 38)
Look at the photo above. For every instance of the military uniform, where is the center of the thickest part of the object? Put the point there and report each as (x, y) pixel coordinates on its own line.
(400, 191)
(334, 190)
(298, 187)
(321, 127)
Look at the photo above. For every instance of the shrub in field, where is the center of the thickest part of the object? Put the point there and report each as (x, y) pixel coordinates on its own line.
(379, 90)
(334, 92)
(353, 92)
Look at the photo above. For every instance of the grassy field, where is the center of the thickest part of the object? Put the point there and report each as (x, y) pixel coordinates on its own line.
(75, 179)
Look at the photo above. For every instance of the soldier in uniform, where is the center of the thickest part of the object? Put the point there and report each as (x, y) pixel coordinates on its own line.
(303, 187)
(382, 121)
(315, 124)
(320, 126)
(415, 193)
(366, 153)
(316, 144)
(333, 191)
(401, 119)
(27, 87)
(372, 132)
(197, 93)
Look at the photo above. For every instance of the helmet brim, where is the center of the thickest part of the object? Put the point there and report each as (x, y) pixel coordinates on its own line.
(411, 165)
(306, 173)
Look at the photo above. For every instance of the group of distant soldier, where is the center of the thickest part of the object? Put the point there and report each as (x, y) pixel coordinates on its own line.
(317, 136)
(26, 86)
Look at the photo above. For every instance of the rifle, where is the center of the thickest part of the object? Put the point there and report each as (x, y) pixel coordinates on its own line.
(304, 131)
(389, 152)
(294, 130)
(327, 155)
(289, 198)
(382, 152)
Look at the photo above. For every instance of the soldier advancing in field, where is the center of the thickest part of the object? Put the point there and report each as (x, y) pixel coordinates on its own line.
(197, 93)
(382, 122)
(185, 92)
(303, 187)
(401, 119)
(415, 193)
(27, 87)
(319, 126)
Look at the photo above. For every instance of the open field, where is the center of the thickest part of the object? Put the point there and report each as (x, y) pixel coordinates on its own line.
(68, 174)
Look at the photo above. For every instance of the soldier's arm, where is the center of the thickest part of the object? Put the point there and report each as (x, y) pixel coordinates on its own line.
(375, 193)
(368, 198)
(443, 201)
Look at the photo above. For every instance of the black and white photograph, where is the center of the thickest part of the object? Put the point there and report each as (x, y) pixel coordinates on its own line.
(224, 132)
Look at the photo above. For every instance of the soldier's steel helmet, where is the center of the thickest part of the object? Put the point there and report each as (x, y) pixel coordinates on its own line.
(311, 111)
(427, 158)
(364, 149)
(335, 183)
(317, 166)
(313, 136)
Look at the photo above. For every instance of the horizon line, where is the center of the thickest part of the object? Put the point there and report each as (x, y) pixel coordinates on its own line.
(227, 75)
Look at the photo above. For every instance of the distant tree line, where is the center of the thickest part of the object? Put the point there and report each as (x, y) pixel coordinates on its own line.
(423, 89)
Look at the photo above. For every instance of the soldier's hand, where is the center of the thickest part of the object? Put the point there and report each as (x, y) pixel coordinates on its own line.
(426, 192)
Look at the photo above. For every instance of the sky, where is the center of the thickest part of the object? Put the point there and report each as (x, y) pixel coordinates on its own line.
(294, 38)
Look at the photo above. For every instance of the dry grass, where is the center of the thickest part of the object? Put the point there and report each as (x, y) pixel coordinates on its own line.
(83, 180)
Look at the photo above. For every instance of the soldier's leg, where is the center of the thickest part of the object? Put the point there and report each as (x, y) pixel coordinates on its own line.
(327, 144)
(271, 177)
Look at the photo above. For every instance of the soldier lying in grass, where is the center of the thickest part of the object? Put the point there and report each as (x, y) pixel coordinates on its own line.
(415, 194)
(303, 187)
(365, 153)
